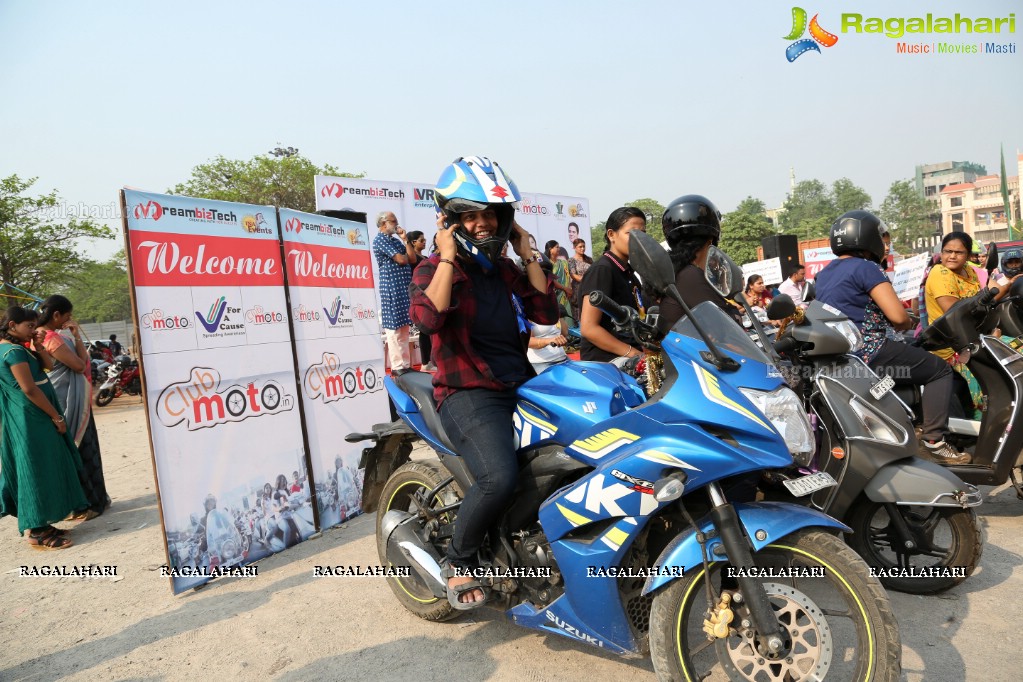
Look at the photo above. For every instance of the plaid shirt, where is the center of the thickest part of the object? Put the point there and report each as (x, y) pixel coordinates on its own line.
(458, 364)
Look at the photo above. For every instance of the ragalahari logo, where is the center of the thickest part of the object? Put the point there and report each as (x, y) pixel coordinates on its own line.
(150, 209)
(817, 35)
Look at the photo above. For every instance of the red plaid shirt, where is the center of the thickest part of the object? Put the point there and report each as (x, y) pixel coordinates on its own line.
(458, 364)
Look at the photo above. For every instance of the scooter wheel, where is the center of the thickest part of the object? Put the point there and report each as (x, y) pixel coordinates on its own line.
(405, 490)
(945, 538)
(104, 396)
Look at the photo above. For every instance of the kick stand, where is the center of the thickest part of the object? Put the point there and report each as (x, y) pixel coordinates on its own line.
(1015, 483)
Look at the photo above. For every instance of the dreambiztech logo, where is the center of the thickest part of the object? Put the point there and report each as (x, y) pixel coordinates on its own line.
(804, 45)
(150, 209)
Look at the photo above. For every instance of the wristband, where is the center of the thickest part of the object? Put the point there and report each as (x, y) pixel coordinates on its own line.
(535, 258)
(58, 420)
(448, 261)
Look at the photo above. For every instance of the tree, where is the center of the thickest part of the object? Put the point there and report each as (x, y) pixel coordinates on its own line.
(37, 253)
(908, 215)
(848, 197)
(813, 207)
(100, 291)
(283, 178)
(751, 206)
(742, 232)
(653, 211)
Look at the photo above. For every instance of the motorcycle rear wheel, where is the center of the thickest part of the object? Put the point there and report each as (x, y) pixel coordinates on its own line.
(405, 490)
(104, 396)
(840, 626)
(946, 537)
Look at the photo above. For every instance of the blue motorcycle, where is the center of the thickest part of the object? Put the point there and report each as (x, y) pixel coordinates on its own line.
(622, 534)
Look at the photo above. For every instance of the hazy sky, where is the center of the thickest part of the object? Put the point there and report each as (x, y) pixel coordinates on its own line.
(608, 100)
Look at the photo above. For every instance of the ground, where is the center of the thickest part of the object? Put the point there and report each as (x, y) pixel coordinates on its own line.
(286, 624)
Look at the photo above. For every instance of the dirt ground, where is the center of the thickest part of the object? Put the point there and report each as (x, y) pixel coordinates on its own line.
(286, 624)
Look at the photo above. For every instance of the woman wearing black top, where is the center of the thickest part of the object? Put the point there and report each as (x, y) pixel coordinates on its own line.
(611, 274)
(692, 224)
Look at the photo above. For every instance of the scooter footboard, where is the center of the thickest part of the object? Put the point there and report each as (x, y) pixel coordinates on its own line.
(764, 523)
(919, 482)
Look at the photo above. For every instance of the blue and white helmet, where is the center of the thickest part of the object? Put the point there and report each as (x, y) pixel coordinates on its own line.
(475, 183)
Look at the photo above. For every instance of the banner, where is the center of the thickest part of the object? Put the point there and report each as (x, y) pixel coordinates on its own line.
(338, 348)
(769, 269)
(219, 373)
(908, 275)
(816, 259)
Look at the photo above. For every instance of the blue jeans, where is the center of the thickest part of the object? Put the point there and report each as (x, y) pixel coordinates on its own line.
(479, 423)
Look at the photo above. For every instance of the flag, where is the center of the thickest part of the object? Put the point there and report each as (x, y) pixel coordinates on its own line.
(1005, 196)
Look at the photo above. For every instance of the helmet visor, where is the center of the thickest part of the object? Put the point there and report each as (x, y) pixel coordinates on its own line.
(459, 205)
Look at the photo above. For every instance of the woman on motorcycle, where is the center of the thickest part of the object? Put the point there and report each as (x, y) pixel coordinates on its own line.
(612, 275)
(856, 285)
(466, 296)
(759, 298)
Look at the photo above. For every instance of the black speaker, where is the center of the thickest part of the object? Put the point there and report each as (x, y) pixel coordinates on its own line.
(784, 247)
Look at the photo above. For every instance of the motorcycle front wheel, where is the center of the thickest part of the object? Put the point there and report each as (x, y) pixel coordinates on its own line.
(104, 396)
(837, 620)
(406, 490)
(946, 538)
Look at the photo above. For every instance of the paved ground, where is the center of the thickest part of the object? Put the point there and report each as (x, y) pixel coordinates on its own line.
(286, 624)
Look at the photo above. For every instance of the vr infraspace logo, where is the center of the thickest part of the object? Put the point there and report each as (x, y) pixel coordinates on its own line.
(329, 381)
(200, 403)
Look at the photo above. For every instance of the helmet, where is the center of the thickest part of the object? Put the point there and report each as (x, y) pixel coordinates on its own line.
(474, 183)
(207, 502)
(859, 231)
(1012, 254)
(691, 216)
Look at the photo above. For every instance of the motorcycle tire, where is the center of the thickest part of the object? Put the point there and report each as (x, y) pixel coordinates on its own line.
(104, 396)
(400, 492)
(959, 545)
(822, 618)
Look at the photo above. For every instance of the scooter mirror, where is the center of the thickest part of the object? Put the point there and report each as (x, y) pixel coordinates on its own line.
(780, 307)
(650, 260)
(722, 273)
(810, 292)
(991, 264)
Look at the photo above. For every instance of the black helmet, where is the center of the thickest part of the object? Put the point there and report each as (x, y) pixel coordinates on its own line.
(691, 216)
(859, 231)
(1011, 254)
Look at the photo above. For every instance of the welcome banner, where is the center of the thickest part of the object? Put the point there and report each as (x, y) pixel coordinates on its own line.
(339, 351)
(221, 393)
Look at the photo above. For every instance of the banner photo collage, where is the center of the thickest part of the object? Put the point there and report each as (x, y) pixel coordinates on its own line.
(215, 333)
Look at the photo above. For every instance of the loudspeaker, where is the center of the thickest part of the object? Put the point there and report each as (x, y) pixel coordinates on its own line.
(784, 247)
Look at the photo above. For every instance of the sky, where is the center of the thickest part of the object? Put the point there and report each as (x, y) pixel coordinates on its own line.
(610, 101)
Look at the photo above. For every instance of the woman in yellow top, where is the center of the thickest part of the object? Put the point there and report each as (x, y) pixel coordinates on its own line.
(949, 281)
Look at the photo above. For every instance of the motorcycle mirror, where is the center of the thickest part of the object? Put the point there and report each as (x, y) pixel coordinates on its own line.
(722, 273)
(991, 264)
(650, 260)
(810, 292)
(780, 307)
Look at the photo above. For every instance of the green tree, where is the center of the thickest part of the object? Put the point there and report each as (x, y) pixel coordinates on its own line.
(848, 197)
(751, 206)
(653, 210)
(100, 291)
(282, 178)
(909, 216)
(809, 211)
(741, 233)
(37, 251)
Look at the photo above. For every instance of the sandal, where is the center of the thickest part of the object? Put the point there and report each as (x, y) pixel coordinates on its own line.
(85, 515)
(455, 592)
(48, 538)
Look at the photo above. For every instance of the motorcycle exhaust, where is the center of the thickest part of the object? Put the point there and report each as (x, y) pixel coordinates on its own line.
(405, 548)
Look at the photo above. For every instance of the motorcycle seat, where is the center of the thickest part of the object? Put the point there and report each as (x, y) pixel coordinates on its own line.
(419, 387)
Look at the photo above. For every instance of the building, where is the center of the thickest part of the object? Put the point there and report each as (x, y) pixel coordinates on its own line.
(976, 207)
(932, 178)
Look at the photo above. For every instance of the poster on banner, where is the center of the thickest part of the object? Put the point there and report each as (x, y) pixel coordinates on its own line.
(337, 345)
(908, 275)
(816, 259)
(221, 396)
(769, 269)
(563, 219)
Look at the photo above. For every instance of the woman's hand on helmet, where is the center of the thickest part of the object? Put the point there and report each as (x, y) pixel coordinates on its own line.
(519, 240)
(446, 246)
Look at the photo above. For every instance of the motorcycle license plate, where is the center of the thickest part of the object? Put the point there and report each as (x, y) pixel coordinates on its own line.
(882, 387)
(810, 483)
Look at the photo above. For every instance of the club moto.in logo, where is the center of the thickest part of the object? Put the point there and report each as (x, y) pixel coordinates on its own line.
(150, 209)
(337, 190)
(533, 209)
(339, 314)
(361, 312)
(303, 314)
(158, 321)
(257, 316)
(818, 36)
(330, 381)
(200, 403)
(218, 320)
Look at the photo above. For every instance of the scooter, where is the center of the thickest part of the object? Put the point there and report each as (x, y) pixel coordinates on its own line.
(622, 535)
(122, 377)
(996, 440)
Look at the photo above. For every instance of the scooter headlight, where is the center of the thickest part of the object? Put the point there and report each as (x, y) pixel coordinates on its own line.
(784, 410)
(850, 331)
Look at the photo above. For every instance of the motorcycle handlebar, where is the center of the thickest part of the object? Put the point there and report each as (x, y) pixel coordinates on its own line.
(785, 345)
(598, 299)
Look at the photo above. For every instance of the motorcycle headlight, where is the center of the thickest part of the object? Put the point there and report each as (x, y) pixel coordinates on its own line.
(783, 408)
(850, 331)
(876, 424)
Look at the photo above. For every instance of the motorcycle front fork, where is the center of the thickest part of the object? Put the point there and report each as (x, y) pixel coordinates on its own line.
(726, 522)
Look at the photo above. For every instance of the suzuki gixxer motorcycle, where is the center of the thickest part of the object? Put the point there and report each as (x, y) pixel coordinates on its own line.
(912, 520)
(622, 535)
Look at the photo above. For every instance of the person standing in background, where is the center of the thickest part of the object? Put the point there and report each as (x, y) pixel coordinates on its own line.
(418, 242)
(562, 278)
(394, 255)
(578, 264)
(795, 285)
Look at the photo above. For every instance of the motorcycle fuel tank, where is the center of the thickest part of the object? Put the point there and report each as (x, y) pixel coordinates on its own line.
(568, 399)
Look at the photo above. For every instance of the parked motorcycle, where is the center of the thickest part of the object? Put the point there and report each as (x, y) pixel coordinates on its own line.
(911, 519)
(122, 377)
(621, 530)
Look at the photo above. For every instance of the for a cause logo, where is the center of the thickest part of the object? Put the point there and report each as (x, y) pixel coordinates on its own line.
(221, 319)
(339, 313)
(199, 402)
(330, 381)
